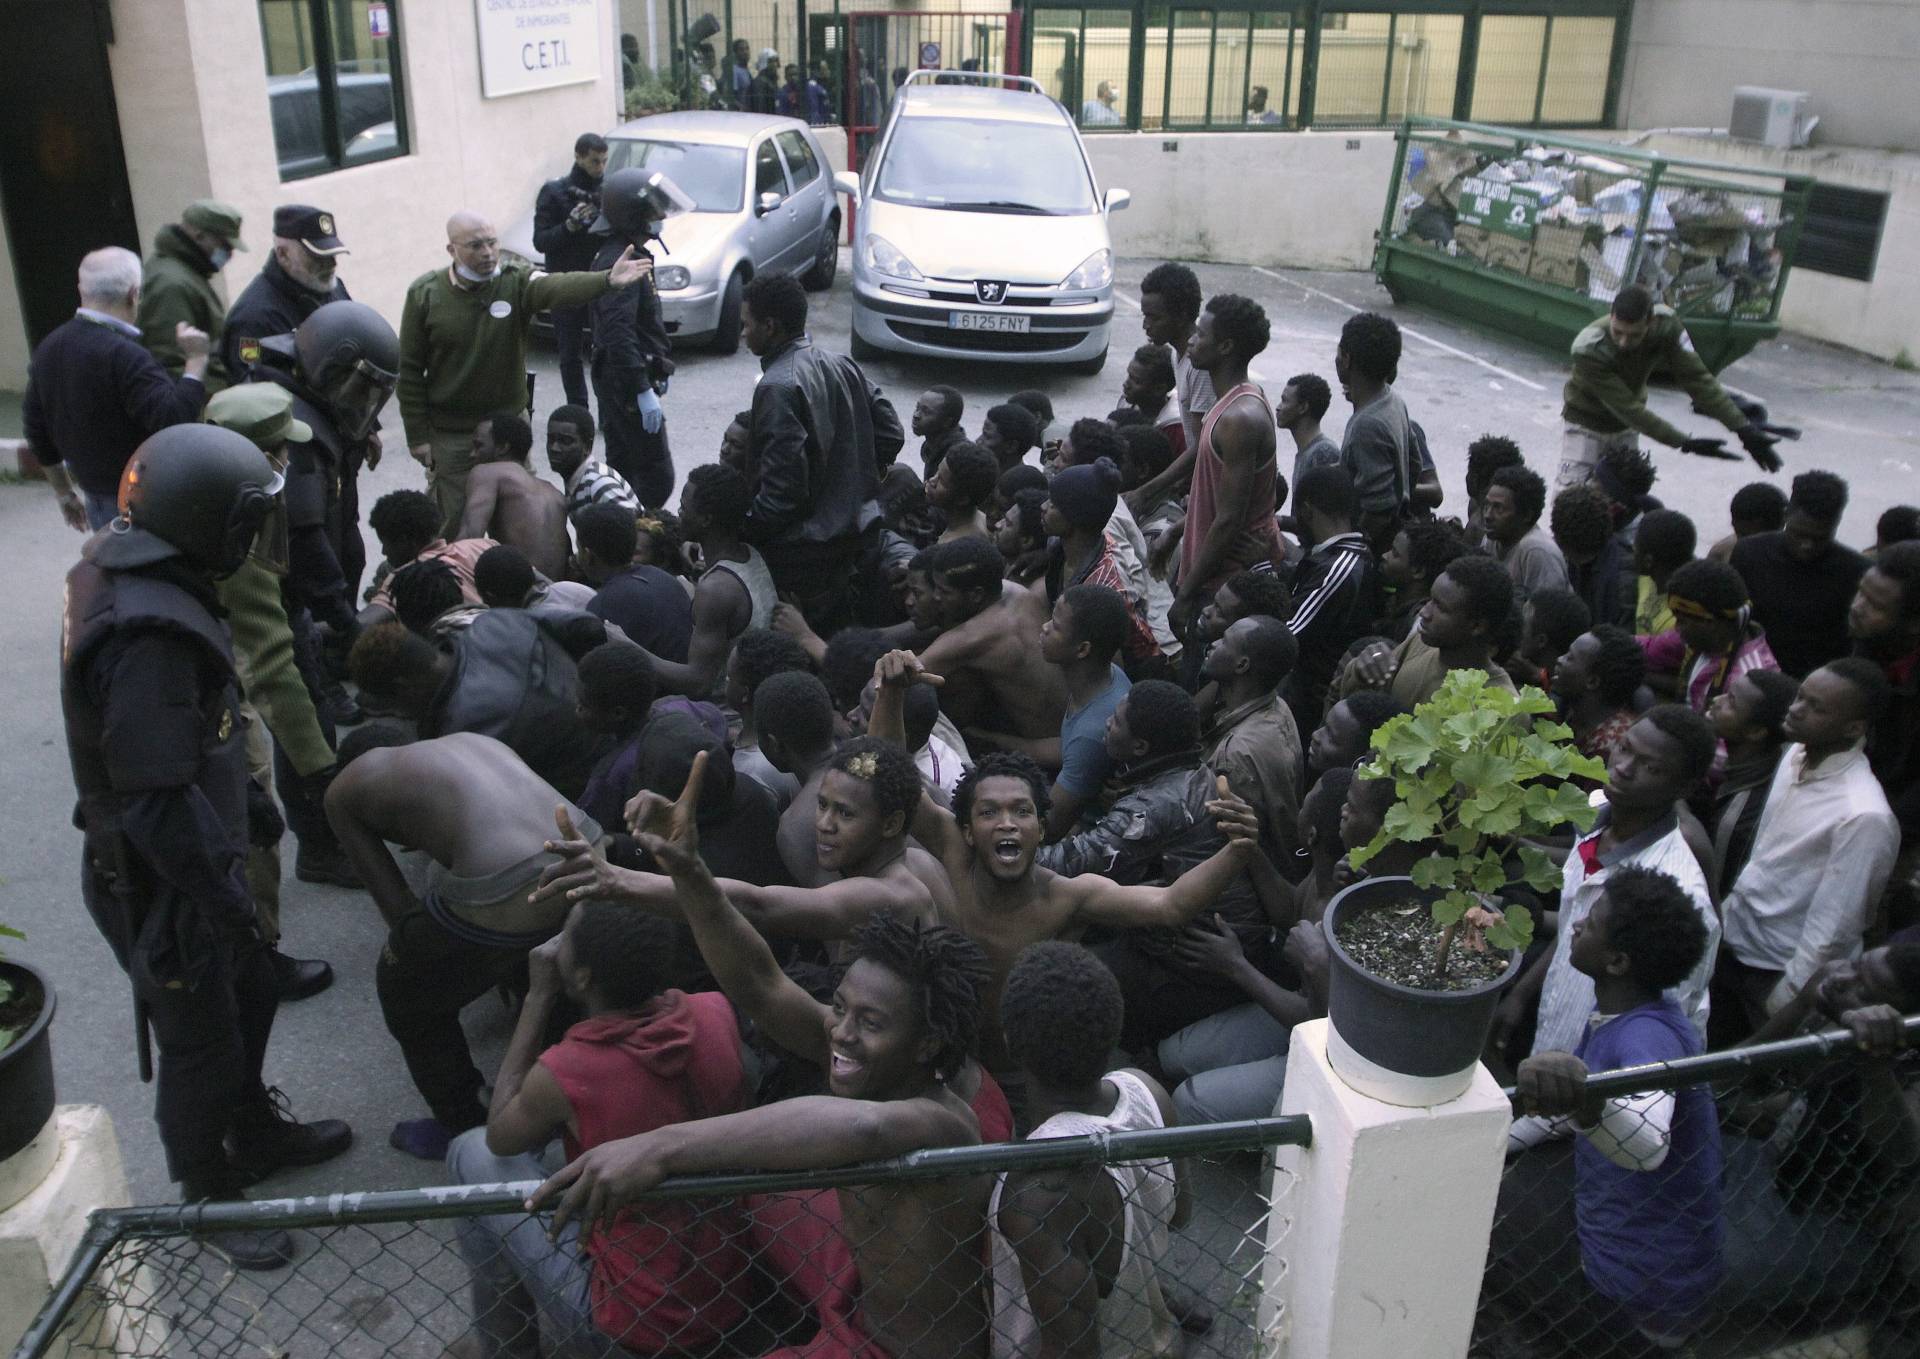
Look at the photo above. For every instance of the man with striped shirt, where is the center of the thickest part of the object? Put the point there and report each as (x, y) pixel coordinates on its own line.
(586, 479)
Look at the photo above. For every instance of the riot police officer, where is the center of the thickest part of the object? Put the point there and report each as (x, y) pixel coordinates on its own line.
(631, 362)
(159, 758)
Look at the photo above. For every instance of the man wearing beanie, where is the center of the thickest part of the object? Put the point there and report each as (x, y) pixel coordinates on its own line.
(1080, 500)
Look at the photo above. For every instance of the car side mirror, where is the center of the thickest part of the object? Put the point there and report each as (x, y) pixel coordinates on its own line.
(848, 183)
(767, 202)
(1118, 199)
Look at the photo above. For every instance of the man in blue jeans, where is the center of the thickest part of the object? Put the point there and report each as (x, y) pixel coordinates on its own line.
(94, 393)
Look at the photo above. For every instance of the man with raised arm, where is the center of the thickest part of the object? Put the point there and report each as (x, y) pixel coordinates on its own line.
(896, 1035)
(865, 798)
(1002, 899)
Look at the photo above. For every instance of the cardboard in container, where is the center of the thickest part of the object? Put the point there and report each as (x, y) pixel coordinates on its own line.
(1509, 252)
(1471, 241)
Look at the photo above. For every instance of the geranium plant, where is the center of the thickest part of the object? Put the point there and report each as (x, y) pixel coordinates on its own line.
(1484, 771)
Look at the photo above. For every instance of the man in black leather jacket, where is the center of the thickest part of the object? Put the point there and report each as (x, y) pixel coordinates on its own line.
(1157, 828)
(562, 217)
(821, 435)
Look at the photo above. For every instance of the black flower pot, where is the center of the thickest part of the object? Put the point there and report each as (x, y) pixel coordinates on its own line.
(26, 1068)
(1395, 1043)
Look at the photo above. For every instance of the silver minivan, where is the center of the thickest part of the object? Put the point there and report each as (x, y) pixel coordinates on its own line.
(762, 202)
(980, 232)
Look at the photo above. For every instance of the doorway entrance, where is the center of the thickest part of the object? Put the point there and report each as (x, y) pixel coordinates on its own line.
(63, 171)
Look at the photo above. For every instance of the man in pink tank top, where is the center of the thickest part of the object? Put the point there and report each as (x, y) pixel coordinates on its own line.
(1230, 509)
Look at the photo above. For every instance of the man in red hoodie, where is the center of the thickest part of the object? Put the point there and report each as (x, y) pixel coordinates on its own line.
(666, 1277)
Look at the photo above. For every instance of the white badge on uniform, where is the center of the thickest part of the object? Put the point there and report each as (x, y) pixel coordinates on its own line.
(500, 310)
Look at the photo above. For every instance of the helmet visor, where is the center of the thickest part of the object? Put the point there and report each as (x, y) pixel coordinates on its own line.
(356, 397)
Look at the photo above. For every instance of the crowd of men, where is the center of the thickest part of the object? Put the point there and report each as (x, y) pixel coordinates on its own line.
(943, 778)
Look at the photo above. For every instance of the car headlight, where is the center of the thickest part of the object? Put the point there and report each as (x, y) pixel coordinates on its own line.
(883, 258)
(669, 278)
(1095, 271)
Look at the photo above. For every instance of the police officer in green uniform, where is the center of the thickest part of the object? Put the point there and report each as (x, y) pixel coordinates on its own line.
(1605, 401)
(263, 646)
(177, 285)
(153, 724)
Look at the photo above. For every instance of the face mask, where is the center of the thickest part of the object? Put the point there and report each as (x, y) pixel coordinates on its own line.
(471, 277)
(218, 256)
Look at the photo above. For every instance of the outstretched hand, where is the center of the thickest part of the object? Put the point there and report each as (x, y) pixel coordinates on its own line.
(582, 870)
(668, 830)
(629, 269)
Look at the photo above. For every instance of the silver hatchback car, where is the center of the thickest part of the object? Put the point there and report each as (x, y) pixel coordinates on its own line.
(980, 232)
(763, 201)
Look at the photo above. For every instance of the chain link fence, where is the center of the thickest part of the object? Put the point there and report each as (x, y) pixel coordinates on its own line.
(1071, 1245)
(1726, 1205)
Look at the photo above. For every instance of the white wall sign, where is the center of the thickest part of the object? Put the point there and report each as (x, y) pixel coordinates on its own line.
(537, 44)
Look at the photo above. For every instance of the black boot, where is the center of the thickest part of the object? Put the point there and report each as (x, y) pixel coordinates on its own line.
(299, 978)
(255, 1249)
(266, 1138)
(329, 866)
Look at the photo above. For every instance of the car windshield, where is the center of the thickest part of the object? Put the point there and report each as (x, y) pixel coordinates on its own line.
(712, 176)
(985, 165)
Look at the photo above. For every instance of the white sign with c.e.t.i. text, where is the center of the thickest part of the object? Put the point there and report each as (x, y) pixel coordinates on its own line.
(536, 44)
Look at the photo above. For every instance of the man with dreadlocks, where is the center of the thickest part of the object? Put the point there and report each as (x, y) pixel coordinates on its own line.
(866, 797)
(897, 1269)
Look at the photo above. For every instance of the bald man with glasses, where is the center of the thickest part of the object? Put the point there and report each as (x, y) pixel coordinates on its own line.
(463, 346)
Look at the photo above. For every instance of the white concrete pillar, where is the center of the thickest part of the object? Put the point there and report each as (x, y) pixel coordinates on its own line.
(1378, 1232)
(38, 1233)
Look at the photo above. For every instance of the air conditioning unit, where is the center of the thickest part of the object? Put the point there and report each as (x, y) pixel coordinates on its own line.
(1771, 117)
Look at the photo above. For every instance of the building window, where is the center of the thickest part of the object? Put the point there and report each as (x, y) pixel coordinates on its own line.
(1842, 232)
(333, 83)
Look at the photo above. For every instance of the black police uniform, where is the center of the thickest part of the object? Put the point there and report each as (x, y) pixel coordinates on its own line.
(631, 352)
(565, 252)
(158, 748)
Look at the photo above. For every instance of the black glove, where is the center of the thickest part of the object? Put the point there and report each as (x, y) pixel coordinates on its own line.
(1707, 448)
(1759, 446)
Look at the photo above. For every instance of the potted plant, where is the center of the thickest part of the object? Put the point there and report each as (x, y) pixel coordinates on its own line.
(1417, 962)
(26, 1055)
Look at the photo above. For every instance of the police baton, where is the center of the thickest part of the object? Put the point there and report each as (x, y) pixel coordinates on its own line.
(142, 1038)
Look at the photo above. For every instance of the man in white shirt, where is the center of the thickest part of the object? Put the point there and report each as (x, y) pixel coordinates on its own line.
(1823, 850)
(1660, 760)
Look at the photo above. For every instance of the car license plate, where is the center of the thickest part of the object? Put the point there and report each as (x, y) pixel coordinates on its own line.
(1009, 322)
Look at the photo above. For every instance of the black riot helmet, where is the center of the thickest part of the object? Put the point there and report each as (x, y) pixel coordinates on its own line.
(192, 491)
(350, 359)
(633, 202)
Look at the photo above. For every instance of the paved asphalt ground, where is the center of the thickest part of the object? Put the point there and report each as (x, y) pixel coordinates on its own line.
(332, 1054)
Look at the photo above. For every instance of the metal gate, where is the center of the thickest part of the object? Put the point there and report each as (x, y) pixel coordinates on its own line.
(871, 52)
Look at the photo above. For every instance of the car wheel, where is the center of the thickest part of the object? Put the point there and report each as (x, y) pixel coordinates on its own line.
(726, 334)
(1088, 367)
(826, 260)
(864, 350)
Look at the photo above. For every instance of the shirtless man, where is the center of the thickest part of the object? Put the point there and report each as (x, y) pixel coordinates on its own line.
(508, 503)
(480, 821)
(989, 646)
(867, 792)
(1002, 900)
(901, 1024)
